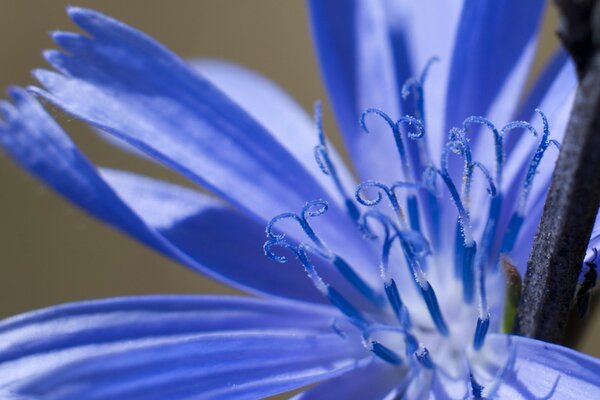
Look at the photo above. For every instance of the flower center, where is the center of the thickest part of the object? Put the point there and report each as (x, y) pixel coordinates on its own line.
(438, 254)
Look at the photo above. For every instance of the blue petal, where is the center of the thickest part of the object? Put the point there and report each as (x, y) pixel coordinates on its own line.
(355, 53)
(130, 86)
(274, 109)
(183, 224)
(170, 347)
(375, 380)
(491, 38)
(421, 30)
(544, 370)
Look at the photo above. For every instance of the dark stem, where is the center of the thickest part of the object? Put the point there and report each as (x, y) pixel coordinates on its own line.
(574, 195)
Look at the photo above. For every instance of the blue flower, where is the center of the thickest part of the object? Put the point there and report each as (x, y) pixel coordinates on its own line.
(404, 301)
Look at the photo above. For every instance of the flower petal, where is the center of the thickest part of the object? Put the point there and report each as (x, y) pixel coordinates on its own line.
(490, 40)
(420, 31)
(129, 85)
(373, 381)
(545, 370)
(274, 109)
(355, 53)
(181, 223)
(170, 347)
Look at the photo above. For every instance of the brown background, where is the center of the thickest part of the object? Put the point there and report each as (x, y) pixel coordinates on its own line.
(51, 252)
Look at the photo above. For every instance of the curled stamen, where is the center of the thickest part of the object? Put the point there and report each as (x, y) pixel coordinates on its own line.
(498, 149)
(360, 196)
(465, 245)
(326, 290)
(414, 247)
(417, 133)
(300, 253)
(412, 122)
(518, 216)
(491, 184)
(321, 154)
(376, 111)
(317, 208)
(395, 131)
(395, 127)
(463, 216)
(311, 209)
(419, 150)
(391, 290)
(425, 288)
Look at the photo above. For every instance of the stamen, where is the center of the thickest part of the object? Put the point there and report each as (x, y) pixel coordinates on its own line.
(476, 388)
(483, 324)
(424, 358)
(321, 152)
(419, 150)
(385, 353)
(326, 290)
(415, 248)
(360, 196)
(302, 257)
(416, 134)
(418, 85)
(516, 220)
(413, 254)
(317, 208)
(498, 148)
(391, 290)
(465, 251)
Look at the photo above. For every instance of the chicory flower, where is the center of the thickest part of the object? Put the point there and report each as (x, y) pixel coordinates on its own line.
(404, 301)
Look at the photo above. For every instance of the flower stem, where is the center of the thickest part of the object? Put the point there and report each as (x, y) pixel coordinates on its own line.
(574, 195)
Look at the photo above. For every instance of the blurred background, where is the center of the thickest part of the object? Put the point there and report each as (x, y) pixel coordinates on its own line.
(50, 252)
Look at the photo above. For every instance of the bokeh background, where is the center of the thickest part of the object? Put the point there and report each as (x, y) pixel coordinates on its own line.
(50, 252)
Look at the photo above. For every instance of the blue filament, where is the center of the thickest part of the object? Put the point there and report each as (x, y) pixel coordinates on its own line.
(518, 215)
(424, 358)
(481, 329)
(498, 139)
(419, 150)
(463, 216)
(333, 295)
(417, 133)
(414, 247)
(492, 187)
(476, 388)
(434, 309)
(468, 271)
(344, 305)
(418, 85)
(390, 193)
(317, 208)
(385, 353)
(398, 306)
(321, 153)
